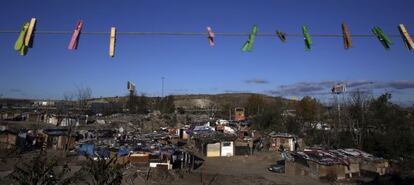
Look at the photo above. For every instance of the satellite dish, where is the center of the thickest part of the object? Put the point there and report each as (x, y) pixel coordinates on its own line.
(130, 86)
(338, 88)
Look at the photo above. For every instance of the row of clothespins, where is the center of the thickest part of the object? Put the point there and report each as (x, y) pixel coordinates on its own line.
(26, 36)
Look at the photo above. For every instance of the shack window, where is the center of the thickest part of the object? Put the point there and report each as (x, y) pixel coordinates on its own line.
(226, 143)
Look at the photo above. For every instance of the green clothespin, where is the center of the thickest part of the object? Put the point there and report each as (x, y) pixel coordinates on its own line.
(307, 37)
(248, 45)
(19, 45)
(384, 39)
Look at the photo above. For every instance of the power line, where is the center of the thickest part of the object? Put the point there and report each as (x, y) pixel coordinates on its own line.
(229, 34)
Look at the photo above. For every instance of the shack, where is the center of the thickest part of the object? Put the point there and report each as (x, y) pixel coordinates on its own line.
(215, 144)
(340, 163)
(59, 139)
(289, 142)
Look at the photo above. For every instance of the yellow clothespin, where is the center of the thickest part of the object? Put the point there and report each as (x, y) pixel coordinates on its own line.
(406, 37)
(28, 40)
(112, 42)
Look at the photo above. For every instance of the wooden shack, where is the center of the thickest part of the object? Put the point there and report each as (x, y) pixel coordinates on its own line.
(286, 140)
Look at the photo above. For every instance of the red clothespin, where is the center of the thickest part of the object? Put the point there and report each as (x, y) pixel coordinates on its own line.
(73, 44)
(210, 36)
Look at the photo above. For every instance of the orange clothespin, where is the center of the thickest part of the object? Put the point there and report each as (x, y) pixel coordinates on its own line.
(346, 36)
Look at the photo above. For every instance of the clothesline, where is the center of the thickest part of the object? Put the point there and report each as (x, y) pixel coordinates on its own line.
(263, 34)
(26, 36)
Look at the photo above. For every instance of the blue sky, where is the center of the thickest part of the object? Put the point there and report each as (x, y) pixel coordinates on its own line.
(189, 64)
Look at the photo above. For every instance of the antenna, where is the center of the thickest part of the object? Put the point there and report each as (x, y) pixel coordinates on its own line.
(162, 86)
(337, 90)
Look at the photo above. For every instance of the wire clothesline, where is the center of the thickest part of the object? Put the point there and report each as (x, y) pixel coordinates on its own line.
(263, 34)
(26, 36)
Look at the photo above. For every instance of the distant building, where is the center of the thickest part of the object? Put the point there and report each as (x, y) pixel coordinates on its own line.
(43, 103)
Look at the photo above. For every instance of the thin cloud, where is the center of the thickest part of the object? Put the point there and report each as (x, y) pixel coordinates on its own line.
(15, 90)
(235, 91)
(400, 84)
(324, 87)
(256, 81)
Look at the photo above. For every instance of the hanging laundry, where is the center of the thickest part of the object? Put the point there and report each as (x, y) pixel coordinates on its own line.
(346, 35)
(307, 37)
(281, 35)
(73, 44)
(112, 42)
(248, 46)
(408, 41)
(384, 39)
(210, 34)
(28, 41)
(19, 45)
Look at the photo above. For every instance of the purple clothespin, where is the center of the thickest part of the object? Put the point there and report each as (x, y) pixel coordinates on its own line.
(73, 44)
(210, 36)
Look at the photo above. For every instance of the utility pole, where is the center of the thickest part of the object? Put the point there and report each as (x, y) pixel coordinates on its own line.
(371, 91)
(162, 86)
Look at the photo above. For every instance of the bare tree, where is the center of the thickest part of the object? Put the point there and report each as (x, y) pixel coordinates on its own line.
(357, 115)
(68, 96)
(83, 94)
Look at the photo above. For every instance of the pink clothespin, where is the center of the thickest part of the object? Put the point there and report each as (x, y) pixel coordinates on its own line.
(210, 36)
(73, 44)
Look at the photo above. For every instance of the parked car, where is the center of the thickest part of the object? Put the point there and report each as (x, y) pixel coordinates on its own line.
(279, 167)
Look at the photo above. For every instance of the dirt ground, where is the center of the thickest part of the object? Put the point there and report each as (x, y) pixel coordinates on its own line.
(237, 170)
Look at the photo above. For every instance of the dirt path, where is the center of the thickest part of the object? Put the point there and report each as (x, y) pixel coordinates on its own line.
(250, 170)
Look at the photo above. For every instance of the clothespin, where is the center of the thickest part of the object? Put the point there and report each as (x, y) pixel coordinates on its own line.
(384, 39)
(28, 41)
(19, 45)
(406, 37)
(248, 45)
(210, 34)
(112, 42)
(307, 37)
(73, 44)
(346, 35)
(281, 35)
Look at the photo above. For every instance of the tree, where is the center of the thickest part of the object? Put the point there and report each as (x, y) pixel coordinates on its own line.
(307, 109)
(308, 112)
(389, 130)
(83, 94)
(68, 96)
(255, 104)
(357, 116)
(166, 105)
(293, 125)
(269, 120)
(142, 104)
(41, 171)
(102, 171)
(138, 104)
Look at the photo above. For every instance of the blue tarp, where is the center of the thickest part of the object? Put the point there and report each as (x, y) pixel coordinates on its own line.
(103, 152)
(123, 151)
(86, 149)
